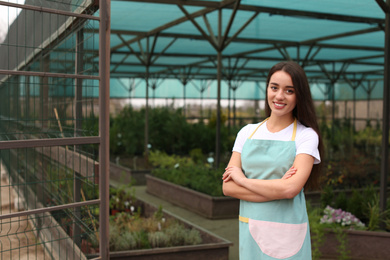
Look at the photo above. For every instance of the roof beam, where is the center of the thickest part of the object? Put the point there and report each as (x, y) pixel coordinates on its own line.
(271, 10)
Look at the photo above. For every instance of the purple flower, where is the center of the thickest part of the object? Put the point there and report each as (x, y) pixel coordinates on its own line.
(341, 217)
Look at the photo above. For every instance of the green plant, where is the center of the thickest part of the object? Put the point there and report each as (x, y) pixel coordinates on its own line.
(135, 231)
(169, 132)
(354, 204)
(183, 171)
(341, 201)
(327, 196)
(122, 197)
(342, 248)
(376, 216)
(317, 230)
(373, 213)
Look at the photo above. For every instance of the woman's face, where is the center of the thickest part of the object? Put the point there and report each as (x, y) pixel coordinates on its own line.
(281, 94)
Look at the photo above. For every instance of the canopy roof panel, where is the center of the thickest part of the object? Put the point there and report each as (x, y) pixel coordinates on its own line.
(177, 34)
(335, 41)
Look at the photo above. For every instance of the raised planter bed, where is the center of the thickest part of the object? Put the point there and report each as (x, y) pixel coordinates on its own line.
(118, 173)
(361, 245)
(212, 247)
(200, 203)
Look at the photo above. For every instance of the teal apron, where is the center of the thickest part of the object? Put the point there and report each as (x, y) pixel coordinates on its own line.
(276, 229)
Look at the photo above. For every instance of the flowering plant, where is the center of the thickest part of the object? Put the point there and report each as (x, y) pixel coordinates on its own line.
(340, 217)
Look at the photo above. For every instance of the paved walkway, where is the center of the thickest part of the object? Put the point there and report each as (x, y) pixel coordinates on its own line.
(17, 239)
(225, 228)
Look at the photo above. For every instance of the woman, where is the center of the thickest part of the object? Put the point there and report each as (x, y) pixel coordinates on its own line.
(271, 163)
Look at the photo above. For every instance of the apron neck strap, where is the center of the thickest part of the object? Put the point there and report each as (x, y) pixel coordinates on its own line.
(294, 130)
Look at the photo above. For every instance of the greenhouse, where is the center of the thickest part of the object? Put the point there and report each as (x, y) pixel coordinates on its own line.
(98, 98)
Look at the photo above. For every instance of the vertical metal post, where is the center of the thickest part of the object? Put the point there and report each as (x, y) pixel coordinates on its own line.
(184, 98)
(229, 91)
(354, 107)
(15, 97)
(234, 106)
(79, 82)
(385, 124)
(27, 111)
(146, 148)
(218, 135)
(104, 120)
(219, 78)
(77, 129)
(45, 93)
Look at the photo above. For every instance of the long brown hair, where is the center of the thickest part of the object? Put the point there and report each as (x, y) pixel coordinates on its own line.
(304, 110)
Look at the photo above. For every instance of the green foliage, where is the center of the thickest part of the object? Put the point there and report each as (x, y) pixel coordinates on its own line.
(129, 232)
(368, 137)
(185, 172)
(169, 131)
(342, 248)
(127, 132)
(362, 203)
(317, 231)
(341, 201)
(375, 215)
(197, 156)
(327, 196)
(337, 135)
(355, 205)
(122, 197)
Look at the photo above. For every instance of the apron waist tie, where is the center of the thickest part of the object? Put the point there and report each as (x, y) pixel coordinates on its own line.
(243, 219)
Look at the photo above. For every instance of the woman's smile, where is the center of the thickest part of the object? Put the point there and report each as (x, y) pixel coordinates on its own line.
(279, 105)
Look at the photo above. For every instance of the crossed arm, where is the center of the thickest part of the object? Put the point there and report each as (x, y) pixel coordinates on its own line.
(236, 184)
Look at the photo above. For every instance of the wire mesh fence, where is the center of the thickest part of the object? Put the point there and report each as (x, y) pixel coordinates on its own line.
(49, 130)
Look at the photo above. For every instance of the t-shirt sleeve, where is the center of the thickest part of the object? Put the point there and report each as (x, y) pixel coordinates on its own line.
(308, 144)
(241, 137)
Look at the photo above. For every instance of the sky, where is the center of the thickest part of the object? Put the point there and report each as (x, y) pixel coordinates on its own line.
(7, 16)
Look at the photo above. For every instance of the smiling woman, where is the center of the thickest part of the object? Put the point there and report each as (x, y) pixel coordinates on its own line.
(271, 163)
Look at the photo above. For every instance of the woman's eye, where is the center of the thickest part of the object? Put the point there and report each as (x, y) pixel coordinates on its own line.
(290, 91)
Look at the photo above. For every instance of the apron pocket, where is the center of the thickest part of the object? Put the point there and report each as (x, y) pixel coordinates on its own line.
(278, 240)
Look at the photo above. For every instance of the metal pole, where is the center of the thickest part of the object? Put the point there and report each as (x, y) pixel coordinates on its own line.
(228, 115)
(104, 127)
(218, 136)
(146, 138)
(386, 108)
(77, 129)
(45, 93)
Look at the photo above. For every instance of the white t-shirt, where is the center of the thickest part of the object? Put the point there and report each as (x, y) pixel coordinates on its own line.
(306, 139)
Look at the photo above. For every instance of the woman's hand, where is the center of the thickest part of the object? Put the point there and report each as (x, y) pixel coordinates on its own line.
(233, 173)
(289, 173)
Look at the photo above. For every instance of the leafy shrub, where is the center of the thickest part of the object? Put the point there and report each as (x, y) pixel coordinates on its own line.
(362, 203)
(129, 232)
(183, 171)
(169, 131)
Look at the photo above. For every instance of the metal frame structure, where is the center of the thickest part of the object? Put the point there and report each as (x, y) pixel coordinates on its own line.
(153, 52)
(101, 175)
(137, 49)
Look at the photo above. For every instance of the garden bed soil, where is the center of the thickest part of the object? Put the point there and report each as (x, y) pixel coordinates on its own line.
(200, 203)
(361, 245)
(212, 246)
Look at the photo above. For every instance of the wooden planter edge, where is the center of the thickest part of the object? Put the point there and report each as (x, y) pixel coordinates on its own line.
(211, 207)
